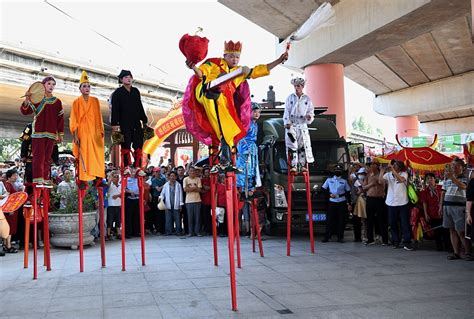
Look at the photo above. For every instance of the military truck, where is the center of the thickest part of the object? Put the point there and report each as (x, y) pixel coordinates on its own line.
(329, 149)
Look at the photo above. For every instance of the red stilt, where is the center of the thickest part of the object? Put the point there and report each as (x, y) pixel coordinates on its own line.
(230, 229)
(47, 246)
(36, 193)
(81, 193)
(236, 212)
(310, 207)
(100, 191)
(236, 220)
(256, 228)
(213, 208)
(142, 217)
(27, 214)
(288, 219)
(122, 221)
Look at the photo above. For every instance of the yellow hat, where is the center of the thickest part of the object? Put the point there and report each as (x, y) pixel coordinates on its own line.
(84, 78)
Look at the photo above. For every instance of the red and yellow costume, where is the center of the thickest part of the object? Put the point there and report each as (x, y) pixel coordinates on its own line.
(48, 128)
(233, 104)
(86, 122)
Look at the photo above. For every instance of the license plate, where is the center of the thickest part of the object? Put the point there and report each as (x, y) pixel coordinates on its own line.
(317, 217)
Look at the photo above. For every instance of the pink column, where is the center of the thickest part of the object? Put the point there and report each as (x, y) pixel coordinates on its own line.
(325, 87)
(407, 126)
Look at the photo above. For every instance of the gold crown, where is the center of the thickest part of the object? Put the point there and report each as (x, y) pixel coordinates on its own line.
(232, 47)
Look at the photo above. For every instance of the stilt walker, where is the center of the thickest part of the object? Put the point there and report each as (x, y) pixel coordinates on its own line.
(217, 112)
(299, 113)
(87, 129)
(247, 164)
(128, 122)
(47, 129)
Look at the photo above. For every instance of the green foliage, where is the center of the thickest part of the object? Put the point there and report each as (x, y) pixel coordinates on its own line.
(9, 149)
(359, 124)
(89, 203)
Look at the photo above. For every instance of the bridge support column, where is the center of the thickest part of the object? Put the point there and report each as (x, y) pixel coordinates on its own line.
(325, 87)
(407, 126)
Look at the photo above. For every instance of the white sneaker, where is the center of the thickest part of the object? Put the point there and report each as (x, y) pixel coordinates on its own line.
(40, 244)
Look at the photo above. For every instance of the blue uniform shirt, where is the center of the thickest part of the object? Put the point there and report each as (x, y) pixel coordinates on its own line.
(339, 186)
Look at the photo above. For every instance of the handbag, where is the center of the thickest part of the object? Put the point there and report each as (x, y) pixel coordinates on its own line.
(161, 204)
(411, 192)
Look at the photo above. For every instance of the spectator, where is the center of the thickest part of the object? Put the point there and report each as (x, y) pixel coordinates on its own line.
(132, 216)
(184, 213)
(430, 198)
(172, 195)
(114, 207)
(65, 189)
(397, 202)
(453, 203)
(339, 204)
(206, 202)
(221, 204)
(192, 188)
(358, 198)
(375, 205)
(12, 218)
(469, 206)
(156, 222)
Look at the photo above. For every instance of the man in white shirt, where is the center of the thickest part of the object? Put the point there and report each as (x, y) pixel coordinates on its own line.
(115, 205)
(397, 202)
(299, 112)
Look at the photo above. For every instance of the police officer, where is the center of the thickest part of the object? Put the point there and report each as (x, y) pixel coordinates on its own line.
(339, 204)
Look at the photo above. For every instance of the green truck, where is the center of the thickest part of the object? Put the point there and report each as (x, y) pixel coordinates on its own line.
(329, 149)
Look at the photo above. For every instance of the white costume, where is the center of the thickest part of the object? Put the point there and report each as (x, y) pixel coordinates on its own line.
(297, 137)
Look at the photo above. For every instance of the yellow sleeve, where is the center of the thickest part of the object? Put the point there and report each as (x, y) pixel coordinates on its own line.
(256, 72)
(210, 71)
(100, 122)
(74, 117)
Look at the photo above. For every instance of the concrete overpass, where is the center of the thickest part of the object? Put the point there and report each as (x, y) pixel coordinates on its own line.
(416, 56)
(20, 68)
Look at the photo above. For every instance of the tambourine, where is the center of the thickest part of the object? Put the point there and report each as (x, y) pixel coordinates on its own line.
(148, 133)
(14, 201)
(36, 92)
(117, 138)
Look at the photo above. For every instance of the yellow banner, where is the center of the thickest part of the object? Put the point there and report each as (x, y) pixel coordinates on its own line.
(166, 126)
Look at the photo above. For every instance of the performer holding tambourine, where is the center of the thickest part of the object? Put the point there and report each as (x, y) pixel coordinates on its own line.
(48, 126)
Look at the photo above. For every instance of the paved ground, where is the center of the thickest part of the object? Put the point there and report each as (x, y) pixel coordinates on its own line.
(340, 281)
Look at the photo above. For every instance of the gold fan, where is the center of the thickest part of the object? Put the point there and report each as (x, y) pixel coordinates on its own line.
(36, 92)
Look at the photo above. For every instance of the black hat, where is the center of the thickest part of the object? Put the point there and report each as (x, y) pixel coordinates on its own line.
(338, 168)
(124, 73)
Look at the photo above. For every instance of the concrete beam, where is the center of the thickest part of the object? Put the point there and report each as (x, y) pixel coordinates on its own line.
(446, 95)
(365, 27)
(454, 126)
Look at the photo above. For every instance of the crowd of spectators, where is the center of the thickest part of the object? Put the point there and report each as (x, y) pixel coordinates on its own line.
(375, 197)
(383, 210)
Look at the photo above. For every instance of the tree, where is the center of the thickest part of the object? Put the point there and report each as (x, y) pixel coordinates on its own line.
(9, 149)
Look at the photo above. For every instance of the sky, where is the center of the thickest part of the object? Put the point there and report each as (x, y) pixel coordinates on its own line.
(143, 36)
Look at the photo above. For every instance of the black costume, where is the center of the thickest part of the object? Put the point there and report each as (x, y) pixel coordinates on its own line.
(129, 114)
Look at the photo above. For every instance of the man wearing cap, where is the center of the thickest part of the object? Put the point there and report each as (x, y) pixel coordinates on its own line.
(87, 129)
(299, 112)
(339, 204)
(48, 129)
(247, 163)
(128, 116)
(222, 115)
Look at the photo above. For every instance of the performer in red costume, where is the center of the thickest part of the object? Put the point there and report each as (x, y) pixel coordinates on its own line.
(48, 129)
(222, 115)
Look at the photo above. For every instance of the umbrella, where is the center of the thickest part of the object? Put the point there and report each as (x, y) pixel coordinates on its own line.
(419, 158)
